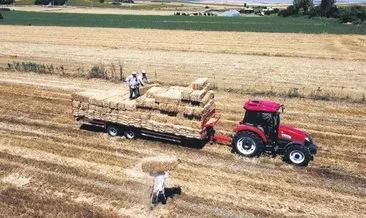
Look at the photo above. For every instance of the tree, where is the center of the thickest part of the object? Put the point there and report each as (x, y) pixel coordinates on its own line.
(328, 8)
(303, 4)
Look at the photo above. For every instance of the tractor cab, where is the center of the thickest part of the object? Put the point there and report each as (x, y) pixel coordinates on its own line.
(265, 116)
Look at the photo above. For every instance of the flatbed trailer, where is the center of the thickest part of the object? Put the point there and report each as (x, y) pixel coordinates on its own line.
(205, 134)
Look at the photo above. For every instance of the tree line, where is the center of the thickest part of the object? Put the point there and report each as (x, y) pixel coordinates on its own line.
(327, 8)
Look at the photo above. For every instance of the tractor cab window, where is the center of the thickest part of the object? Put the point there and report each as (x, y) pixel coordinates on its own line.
(265, 121)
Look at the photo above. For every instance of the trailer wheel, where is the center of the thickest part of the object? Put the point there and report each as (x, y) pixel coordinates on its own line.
(131, 133)
(113, 130)
(247, 144)
(297, 155)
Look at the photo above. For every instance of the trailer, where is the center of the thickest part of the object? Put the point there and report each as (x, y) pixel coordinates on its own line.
(187, 115)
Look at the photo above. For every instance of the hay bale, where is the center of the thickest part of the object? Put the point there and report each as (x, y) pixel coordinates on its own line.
(157, 117)
(146, 88)
(159, 164)
(168, 107)
(172, 96)
(185, 91)
(208, 96)
(188, 111)
(199, 83)
(155, 90)
(130, 105)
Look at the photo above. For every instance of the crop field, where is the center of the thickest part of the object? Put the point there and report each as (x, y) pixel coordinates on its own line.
(51, 167)
(240, 24)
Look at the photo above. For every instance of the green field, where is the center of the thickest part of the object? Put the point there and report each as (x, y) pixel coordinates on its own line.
(242, 24)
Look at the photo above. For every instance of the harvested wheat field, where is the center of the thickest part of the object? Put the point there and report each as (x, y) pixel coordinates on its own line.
(51, 167)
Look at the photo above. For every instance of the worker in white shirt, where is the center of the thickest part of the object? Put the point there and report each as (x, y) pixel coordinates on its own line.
(158, 191)
(143, 78)
(134, 84)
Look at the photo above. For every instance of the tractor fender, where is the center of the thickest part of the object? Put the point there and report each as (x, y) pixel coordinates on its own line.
(293, 143)
(244, 127)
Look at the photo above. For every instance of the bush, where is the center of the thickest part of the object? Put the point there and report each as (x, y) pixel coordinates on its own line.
(355, 14)
(6, 2)
(47, 2)
(97, 72)
(289, 11)
(101, 1)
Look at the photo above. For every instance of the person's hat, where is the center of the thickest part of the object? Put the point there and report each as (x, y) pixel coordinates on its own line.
(134, 73)
(143, 71)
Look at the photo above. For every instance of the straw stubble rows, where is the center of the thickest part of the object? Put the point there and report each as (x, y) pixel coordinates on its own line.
(89, 172)
(46, 159)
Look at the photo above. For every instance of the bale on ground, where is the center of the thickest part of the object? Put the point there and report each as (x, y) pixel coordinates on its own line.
(199, 83)
(159, 163)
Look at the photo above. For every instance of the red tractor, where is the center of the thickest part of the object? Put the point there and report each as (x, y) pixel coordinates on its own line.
(260, 132)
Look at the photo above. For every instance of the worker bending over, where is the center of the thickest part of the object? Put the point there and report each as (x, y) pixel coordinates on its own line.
(143, 78)
(158, 191)
(134, 84)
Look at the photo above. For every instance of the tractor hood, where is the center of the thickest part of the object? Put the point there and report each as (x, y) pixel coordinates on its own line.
(291, 134)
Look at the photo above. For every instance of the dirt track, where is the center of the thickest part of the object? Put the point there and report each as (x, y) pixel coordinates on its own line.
(50, 167)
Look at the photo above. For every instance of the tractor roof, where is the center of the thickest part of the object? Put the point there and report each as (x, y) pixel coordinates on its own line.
(264, 106)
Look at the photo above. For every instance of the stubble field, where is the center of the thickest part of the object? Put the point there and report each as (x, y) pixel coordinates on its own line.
(50, 167)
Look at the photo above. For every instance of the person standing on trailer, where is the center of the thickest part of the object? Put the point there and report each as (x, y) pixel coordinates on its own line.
(143, 78)
(134, 84)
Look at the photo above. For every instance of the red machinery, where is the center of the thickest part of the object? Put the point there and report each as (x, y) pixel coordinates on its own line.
(260, 132)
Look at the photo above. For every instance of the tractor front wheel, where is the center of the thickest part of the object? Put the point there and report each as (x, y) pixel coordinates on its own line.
(298, 155)
(247, 144)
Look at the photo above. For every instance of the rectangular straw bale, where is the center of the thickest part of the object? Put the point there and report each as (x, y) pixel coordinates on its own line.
(208, 96)
(160, 118)
(84, 95)
(130, 105)
(172, 96)
(199, 83)
(146, 88)
(197, 111)
(168, 107)
(159, 164)
(188, 110)
(185, 91)
(155, 90)
(197, 95)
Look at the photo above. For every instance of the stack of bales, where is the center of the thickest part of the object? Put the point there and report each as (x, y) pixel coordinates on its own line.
(176, 110)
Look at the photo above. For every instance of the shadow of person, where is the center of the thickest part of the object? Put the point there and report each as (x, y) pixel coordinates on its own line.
(171, 192)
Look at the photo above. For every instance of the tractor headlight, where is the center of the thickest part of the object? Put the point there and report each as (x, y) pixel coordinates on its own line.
(307, 139)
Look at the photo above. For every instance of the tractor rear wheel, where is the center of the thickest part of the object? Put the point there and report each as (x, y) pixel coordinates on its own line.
(298, 155)
(247, 144)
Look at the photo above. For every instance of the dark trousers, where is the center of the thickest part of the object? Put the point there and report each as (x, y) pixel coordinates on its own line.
(135, 91)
